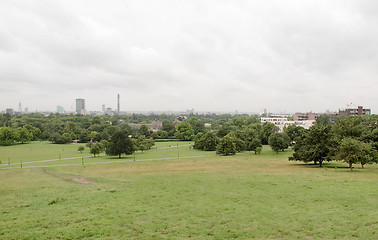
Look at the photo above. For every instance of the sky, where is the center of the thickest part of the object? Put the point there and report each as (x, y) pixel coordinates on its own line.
(207, 55)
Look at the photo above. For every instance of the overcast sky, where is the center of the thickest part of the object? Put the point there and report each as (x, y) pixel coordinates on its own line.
(210, 55)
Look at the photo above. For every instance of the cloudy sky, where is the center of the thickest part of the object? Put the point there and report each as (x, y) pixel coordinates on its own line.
(210, 55)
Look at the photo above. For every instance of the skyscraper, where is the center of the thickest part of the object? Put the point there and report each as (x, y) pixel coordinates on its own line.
(59, 109)
(80, 106)
(118, 105)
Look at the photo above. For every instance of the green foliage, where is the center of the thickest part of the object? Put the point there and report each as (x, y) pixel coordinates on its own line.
(314, 145)
(143, 144)
(268, 128)
(7, 136)
(294, 132)
(196, 125)
(347, 126)
(239, 143)
(279, 141)
(184, 131)
(353, 151)
(119, 144)
(81, 148)
(255, 145)
(143, 130)
(61, 139)
(168, 127)
(324, 119)
(96, 148)
(206, 142)
(226, 146)
(159, 135)
(23, 135)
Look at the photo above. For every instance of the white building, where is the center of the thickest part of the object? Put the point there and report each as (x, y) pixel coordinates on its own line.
(282, 122)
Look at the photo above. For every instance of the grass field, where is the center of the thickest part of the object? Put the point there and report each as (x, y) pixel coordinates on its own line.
(190, 194)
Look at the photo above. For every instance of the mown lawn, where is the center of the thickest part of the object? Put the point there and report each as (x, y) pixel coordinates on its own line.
(244, 196)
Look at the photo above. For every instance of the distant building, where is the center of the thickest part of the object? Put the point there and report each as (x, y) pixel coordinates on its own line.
(274, 120)
(9, 110)
(283, 122)
(80, 106)
(103, 108)
(19, 107)
(352, 110)
(118, 104)
(306, 116)
(59, 109)
(26, 110)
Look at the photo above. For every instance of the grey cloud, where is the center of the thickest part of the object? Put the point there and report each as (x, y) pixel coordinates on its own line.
(212, 55)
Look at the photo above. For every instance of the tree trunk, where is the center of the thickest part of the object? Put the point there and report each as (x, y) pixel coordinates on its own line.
(320, 163)
(350, 166)
(119, 155)
(362, 165)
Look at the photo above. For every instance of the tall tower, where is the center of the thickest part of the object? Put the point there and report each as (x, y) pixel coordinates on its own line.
(118, 106)
(80, 106)
(19, 107)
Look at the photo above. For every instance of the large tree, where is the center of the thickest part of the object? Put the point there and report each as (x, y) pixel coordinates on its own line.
(23, 135)
(267, 129)
(353, 151)
(226, 146)
(314, 145)
(119, 144)
(168, 127)
(294, 132)
(197, 125)
(279, 141)
(7, 136)
(206, 142)
(184, 131)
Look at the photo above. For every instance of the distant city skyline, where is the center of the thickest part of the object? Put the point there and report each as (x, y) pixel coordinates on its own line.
(217, 56)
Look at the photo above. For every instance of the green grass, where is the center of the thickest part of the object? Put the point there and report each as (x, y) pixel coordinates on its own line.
(245, 196)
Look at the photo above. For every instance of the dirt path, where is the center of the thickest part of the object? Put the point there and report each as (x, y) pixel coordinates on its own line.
(79, 180)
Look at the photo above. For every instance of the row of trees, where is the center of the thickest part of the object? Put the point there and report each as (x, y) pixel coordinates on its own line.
(118, 144)
(353, 140)
(9, 136)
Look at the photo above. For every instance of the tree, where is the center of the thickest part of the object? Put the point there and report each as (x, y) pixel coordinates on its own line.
(324, 119)
(184, 131)
(143, 144)
(143, 130)
(96, 149)
(255, 145)
(239, 143)
(119, 144)
(294, 132)
(226, 146)
(197, 125)
(23, 135)
(238, 122)
(314, 145)
(168, 127)
(206, 142)
(268, 128)
(7, 136)
(81, 149)
(353, 151)
(278, 141)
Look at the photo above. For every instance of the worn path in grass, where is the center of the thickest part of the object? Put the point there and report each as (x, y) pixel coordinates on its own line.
(79, 180)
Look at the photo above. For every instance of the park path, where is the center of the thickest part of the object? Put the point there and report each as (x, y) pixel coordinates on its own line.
(79, 180)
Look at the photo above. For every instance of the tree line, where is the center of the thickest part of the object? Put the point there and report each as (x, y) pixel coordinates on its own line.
(353, 140)
(350, 139)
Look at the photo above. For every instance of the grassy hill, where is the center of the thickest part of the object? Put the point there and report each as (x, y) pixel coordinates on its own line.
(189, 194)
